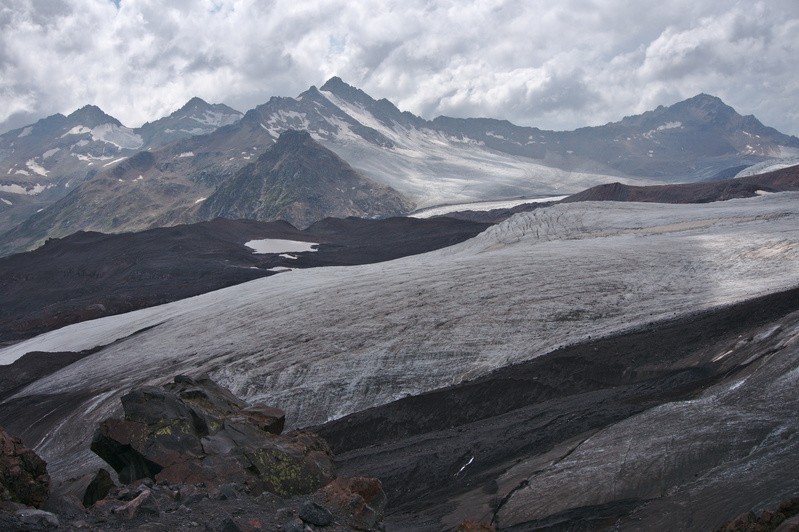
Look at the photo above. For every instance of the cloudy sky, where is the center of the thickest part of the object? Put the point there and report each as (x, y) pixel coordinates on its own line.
(552, 64)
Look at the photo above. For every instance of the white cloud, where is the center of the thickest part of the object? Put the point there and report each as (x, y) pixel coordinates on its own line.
(554, 65)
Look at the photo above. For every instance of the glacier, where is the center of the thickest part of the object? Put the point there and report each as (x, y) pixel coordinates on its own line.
(322, 343)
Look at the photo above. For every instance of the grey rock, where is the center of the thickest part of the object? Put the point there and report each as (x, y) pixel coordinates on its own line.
(295, 525)
(37, 519)
(316, 514)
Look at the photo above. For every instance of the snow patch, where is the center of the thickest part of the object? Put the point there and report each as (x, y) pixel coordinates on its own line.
(36, 167)
(275, 245)
(120, 137)
(114, 161)
(19, 189)
(25, 132)
(77, 130)
(187, 154)
(200, 200)
(465, 466)
(50, 153)
(216, 118)
(6, 201)
(662, 127)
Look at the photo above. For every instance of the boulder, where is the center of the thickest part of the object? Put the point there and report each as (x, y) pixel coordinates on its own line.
(31, 519)
(194, 431)
(23, 475)
(358, 501)
(315, 514)
(98, 488)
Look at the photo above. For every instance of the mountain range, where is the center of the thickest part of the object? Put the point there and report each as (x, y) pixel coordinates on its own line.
(86, 171)
(625, 358)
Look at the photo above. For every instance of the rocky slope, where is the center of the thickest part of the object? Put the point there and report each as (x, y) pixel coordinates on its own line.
(301, 182)
(190, 455)
(296, 179)
(43, 162)
(680, 425)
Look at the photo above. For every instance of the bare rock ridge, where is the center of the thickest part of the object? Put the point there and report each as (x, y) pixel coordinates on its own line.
(190, 456)
(782, 180)
(300, 181)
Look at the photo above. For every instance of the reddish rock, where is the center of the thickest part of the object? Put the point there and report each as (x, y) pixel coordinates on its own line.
(358, 501)
(23, 475)
(131, 508)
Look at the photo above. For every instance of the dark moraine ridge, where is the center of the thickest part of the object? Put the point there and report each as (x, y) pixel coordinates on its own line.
(786, 179)
(447, 455)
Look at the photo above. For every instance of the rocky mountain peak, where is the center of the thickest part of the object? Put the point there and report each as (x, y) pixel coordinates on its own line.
(92, 116)
(194, 105)
(293, 137)
(338, 87)
(335, 84)
(704, 107)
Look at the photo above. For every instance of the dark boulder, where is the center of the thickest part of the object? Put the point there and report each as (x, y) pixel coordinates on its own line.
(194, 431)
(23, 475)
(315, 514)
(28, 520)
(98, 488)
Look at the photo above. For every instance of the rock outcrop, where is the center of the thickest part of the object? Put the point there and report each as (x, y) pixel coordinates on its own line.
(194, 431)
(23, 475)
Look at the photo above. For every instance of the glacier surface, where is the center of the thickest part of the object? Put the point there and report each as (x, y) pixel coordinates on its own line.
(322, 343)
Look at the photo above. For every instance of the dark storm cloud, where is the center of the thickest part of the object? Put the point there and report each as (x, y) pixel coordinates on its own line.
(557, 65)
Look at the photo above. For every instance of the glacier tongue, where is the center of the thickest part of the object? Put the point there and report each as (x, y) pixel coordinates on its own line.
(325, 342)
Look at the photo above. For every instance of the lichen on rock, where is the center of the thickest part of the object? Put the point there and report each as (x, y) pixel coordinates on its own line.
(195, 431)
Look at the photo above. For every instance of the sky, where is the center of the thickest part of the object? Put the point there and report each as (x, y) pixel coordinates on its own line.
(551, 64)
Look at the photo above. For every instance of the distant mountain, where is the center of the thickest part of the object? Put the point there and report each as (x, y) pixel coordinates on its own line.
(296, 179)
(41, 163)
(443, 161)
(300, 181)
(197, 117)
